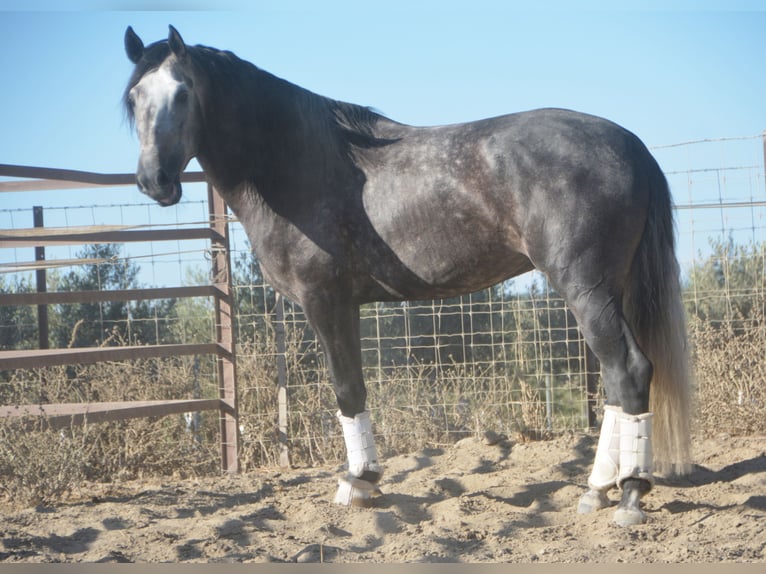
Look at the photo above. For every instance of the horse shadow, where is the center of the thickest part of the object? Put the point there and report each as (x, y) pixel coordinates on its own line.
(423, 460)
(415, 508)
(701, 475)
(75, 543)
(203, 502)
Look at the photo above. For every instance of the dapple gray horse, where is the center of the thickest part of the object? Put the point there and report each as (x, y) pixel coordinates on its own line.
(344, 206)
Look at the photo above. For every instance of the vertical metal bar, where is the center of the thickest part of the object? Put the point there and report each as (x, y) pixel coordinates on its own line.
(224, 328)
(548, 402)
(42, 284)
(284, 451)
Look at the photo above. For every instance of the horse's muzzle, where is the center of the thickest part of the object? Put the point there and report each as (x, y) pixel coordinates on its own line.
(161, 188)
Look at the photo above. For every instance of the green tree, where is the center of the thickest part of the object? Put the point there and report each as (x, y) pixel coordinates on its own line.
(192, 318)
(115, 322)
(18, 324)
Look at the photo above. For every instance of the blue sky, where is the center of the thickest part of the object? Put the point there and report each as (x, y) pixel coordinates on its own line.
(668, 75)
(669, 71)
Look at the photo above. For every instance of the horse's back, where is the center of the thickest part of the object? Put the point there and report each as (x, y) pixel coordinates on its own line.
(464, 206)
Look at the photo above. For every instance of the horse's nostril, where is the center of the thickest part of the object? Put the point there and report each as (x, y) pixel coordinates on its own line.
(162, 178)
(142, 184)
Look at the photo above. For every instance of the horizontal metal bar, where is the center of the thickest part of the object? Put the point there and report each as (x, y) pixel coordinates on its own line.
(64, 415)
(19, 238)
(68, 297)
(34, 358)
(721, 205)
(47, 178)
(50, 264)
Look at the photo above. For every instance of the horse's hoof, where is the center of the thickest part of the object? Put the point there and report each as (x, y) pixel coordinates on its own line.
(629, 511)
(592, 501)
(629, 516)
(354, 491)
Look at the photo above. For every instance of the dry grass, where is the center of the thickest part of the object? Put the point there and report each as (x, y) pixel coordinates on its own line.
(730, 372)
(38, 465)
(414, 407)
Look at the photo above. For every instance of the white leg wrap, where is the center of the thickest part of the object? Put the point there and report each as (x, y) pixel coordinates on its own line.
(360, 444)
(624, 451)
(636, 458)
(362, 457)
(607, 462)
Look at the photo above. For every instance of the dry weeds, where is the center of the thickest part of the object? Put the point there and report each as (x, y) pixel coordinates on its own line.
(414, 408)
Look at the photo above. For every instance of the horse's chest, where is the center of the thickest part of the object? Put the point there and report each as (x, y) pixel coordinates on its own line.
(295, 253)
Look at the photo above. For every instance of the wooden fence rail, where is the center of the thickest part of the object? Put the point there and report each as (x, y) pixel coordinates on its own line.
(216, 231)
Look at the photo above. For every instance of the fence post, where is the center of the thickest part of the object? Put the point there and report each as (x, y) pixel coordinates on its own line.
(224, 329)
(284, 451)
(42, 283)
(548, 403)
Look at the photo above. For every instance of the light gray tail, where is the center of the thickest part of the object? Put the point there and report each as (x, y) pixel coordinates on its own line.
(654, 309)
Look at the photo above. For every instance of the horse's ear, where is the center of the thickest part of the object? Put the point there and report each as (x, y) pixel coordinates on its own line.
(134, 47)
(176, 43)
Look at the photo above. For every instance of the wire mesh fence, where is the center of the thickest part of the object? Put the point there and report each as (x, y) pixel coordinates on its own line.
(508, 359)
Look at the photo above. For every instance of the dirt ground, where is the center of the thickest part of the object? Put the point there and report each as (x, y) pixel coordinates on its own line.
(471, 502)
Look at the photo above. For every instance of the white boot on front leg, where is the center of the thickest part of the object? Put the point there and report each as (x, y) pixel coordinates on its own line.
(606, 464)
(364, 471)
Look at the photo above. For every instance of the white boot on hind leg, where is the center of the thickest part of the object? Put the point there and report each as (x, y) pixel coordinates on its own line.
(636, 461)
(364, 471)
(606, 464)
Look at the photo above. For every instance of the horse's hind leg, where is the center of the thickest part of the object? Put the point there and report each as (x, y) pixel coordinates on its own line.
(623, 455)
(336, 323)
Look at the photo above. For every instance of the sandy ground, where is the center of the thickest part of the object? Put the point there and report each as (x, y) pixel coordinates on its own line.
(471, 502)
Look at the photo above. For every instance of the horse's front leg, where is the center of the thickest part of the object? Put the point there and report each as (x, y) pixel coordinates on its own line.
(336, 323)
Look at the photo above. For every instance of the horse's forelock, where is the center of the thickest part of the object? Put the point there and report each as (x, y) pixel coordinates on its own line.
(151, 59)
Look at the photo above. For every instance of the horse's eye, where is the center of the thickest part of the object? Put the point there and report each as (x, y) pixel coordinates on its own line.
(182, 96)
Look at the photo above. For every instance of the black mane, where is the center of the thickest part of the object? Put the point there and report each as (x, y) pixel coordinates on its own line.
(352, 124)
(356, 124)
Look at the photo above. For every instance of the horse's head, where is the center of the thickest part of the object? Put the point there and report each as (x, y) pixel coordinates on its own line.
(161, 103)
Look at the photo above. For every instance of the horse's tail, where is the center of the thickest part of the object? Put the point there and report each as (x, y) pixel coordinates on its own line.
(653, 307)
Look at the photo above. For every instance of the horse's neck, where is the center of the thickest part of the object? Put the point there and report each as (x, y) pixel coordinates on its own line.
(266, 135)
